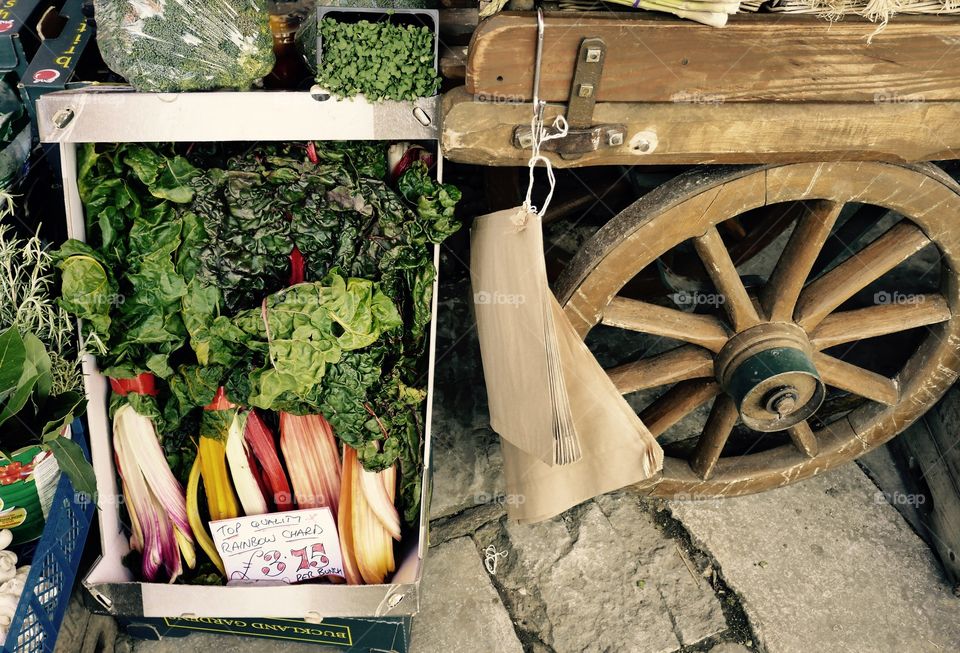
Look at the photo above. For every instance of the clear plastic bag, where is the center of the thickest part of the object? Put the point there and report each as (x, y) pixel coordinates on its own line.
(185, 45)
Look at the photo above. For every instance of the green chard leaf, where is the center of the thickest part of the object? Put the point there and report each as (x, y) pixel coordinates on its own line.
(125, 283)
(88, 288)
(308, 326)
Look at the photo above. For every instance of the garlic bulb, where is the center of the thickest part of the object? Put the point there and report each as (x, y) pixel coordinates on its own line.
(12, 581)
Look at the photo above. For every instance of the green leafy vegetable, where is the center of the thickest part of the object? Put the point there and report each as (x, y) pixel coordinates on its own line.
(185, 46)
(194, 257)
(307, 327)
(124, 283)
(381, 60)
(434, 202)
(72, 462)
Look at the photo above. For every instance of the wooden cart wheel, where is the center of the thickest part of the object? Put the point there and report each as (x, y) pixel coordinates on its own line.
(768, 356)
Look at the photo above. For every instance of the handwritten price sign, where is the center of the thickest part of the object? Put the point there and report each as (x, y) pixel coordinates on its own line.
(289, 547)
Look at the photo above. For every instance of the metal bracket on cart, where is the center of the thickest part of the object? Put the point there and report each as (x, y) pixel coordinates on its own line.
(583, 136)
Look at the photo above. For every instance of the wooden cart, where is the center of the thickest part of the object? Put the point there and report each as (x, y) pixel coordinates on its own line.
(813, 137)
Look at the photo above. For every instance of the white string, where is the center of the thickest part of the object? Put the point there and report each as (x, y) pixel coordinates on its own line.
(539, 133)
(492, 556)
(560, 128)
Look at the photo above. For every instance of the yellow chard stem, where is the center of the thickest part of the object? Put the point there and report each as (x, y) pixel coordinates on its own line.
(196, 523)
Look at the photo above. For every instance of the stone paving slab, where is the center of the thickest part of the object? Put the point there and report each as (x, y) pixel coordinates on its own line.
(601, 578)
(729, 647)
(467, 466)
(460, 609)
(824, 565)
(466, 452)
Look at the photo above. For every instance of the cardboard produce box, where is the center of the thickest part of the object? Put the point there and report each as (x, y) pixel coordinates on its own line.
(68, 39)
(356, 617)
(386, 635)
(18, 35)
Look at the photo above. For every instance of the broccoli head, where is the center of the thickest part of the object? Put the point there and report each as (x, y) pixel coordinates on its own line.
(185, 45)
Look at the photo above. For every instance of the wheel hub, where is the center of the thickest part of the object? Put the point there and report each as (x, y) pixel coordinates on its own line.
(768, 371)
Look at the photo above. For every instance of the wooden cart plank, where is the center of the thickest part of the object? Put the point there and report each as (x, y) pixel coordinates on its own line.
(655, 58)
(453, 61)
(763, 132)
(931, 444)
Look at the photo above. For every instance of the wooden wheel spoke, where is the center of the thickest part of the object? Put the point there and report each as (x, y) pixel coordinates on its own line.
(678, 402)
(723, 417)
(849, 377)
(804, 439)
(839, 284)
(704, 330)
(780, 294)
(727, 280)
(848, 326)
(680, 364)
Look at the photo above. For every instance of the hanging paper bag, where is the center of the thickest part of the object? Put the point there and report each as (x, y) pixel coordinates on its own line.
(518, 340)
(547, 393)
(617, 449)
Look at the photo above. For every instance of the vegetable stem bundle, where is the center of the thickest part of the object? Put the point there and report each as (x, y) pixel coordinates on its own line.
(157, 507)
(312, 457)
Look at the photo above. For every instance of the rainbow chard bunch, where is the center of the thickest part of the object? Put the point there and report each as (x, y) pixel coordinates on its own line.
(255, 466)
(160, 529)
(368, 521)
(241, 472)
(193, 249)
(312, 458)
(239, 462)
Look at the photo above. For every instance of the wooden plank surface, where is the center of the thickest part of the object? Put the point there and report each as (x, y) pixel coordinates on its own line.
(763, 132)
(453, 61)
(656, 58)
(458, 24)
(931, 445)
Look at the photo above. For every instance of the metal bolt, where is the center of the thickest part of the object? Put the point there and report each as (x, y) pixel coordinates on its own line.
(614, 139)
(644, 142)
(785, 405)
(593, 55)
(782, 401)
(585, 90)
(62, 118)
(318, 93)
(526, 140)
